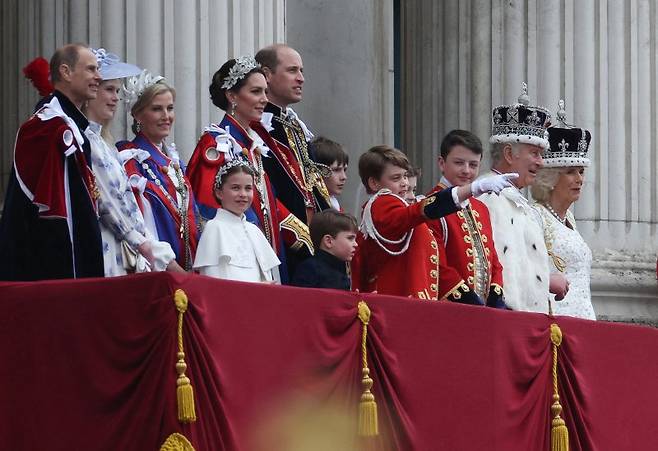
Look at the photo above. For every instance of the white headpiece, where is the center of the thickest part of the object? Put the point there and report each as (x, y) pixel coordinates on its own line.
(223, 170)
(134, 86)
(243, 65)
(111, 67)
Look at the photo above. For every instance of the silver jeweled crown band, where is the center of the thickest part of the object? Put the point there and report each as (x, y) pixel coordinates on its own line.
(243, 65)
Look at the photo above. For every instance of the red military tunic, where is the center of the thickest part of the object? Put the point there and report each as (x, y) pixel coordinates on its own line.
(405, 259)
(469, 247)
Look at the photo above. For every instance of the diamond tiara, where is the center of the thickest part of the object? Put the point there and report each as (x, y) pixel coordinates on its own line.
(223, 170)
(243, 65)
(135, 86)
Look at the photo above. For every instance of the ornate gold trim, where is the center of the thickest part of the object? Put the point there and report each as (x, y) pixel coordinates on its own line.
(299, 229)
(177, 442)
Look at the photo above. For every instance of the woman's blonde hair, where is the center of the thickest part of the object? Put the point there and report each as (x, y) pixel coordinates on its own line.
(105, 128)
(147, 97)
(546, 180)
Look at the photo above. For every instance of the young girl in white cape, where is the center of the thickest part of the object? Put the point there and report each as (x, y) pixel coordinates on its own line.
(230, 246)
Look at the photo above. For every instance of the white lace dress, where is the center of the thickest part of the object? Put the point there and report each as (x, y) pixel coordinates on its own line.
(120, 218)
(567, 248)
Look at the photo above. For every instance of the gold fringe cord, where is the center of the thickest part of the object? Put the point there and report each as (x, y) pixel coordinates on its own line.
(184, 391)
(367, 405)
(559, 431)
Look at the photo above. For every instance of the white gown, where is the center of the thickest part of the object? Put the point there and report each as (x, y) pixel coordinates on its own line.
(233, 248)
(567, 246)
(120, 218)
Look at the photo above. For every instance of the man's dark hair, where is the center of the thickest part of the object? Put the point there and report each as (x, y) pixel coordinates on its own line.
(460, 138)
(269, 56)
(325, 151)
(330, 222)
(69, 55)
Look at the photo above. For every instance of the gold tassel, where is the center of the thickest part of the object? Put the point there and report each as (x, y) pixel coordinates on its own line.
(184, 391)
(559, 431)
(177, 442)
(367, 405)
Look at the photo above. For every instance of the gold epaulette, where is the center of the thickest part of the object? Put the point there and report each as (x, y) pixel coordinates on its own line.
(300, 230)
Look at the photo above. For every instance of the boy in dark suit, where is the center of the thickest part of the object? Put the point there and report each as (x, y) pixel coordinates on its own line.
(334, 239)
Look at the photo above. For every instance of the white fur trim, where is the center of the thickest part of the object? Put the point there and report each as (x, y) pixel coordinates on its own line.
(523, 139)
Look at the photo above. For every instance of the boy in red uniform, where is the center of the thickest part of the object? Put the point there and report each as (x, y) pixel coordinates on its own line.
(466, 236)
(397, 253)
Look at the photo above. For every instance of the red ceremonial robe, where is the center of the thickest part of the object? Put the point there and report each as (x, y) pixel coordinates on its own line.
(49, 227)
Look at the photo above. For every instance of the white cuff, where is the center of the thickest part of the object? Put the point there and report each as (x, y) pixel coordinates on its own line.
(163, 254)
(134, 238)
(455, 198)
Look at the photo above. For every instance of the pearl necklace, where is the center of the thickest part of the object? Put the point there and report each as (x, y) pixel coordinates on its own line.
(554, 213)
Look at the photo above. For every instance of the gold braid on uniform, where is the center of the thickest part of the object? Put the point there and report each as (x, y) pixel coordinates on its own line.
(312, 172)
(300, 230)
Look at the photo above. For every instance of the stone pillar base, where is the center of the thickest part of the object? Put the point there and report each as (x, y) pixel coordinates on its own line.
(624, 287)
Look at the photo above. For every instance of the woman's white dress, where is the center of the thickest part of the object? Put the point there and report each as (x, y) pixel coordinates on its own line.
(233, 248)
(567, 249)
(120, 218)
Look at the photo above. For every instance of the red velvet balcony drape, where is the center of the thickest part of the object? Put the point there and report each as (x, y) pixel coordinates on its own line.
(90, 365)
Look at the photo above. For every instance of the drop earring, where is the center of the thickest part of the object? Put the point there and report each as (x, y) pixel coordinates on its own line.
(234, 106)
(138, 127)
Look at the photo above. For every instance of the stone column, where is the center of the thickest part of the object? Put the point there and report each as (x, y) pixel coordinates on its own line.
(348, 66)
(184, 41)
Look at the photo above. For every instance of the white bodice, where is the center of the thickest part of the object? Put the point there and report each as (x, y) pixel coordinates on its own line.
(568, 245)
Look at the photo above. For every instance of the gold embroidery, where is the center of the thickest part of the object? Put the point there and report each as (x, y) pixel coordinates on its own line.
(455, 291)
(299, 229)
(479, 266)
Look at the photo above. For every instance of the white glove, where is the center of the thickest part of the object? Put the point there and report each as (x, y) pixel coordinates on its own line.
(493, 183)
